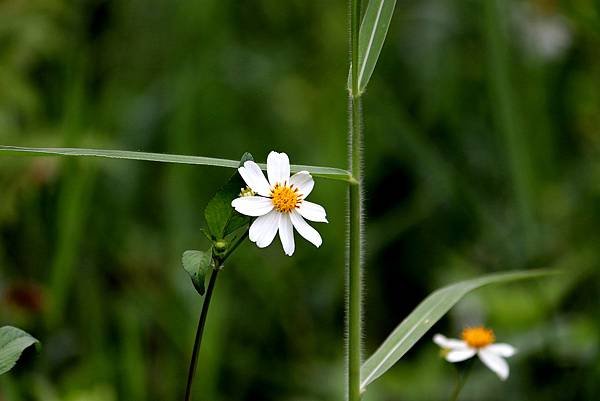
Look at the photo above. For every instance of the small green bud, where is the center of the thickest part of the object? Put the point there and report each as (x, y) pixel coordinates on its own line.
(220, 246)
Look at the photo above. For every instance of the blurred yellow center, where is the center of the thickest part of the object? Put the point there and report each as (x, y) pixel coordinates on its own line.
(478, 337)
(285, 199)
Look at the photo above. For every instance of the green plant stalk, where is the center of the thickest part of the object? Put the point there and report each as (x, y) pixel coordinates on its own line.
(199, 332)
(506, 116)
(354, 271)
(219, 262)
(354, 282)
(461, 379)
(9, 389)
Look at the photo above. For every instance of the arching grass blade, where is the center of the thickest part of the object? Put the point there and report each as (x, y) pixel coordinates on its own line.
(317, 171)
(425, 315)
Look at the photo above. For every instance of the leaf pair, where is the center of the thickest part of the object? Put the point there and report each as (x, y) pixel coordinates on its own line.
(222, 221)
(13, 342)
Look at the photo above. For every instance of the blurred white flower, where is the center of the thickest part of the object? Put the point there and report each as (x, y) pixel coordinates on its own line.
(279, 204)
(545, 33)
(481, 342)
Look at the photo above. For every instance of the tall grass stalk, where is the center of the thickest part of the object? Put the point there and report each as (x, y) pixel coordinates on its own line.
(354, 270)
(508, 121)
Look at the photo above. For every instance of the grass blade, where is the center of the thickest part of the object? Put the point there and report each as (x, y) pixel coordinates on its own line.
(373, 31)
(317, 171)
(425, 315)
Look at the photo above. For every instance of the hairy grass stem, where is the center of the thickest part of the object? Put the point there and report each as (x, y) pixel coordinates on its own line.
(354, 270)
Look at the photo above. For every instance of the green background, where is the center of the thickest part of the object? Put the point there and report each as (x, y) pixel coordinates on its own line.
(482, 153)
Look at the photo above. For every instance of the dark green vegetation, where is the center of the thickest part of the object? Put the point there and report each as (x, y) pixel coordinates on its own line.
(481, 155)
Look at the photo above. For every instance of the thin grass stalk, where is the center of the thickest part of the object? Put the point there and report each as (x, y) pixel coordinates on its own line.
(504, 103)
(354, 271)
(461, 378)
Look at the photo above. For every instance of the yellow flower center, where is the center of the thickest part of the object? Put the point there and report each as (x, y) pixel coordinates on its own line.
(478, 337)
(285, 199)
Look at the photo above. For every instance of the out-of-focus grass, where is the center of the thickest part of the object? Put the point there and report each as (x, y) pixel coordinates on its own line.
(89, 250)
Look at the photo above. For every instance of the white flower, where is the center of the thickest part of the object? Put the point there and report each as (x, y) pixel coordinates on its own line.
(477, 341)
(279, 204)
(545, 33)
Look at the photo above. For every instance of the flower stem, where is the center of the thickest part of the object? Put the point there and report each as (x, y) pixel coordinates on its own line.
(461, 379)
(218, 263)
(234, 246)
(199, 332)
(354, 272)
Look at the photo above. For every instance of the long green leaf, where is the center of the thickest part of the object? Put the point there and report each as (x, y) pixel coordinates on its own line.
(373, 31)
(407, 333)
(317, 171)
(13, 342)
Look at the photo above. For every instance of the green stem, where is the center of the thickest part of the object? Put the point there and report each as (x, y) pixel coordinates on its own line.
(203, 314)
(354, 272)
(504, 103)
(461, 379)
(199, 332)
(354, 281)
(234, 246)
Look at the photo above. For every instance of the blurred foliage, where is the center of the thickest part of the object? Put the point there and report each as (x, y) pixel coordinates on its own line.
(482, 150)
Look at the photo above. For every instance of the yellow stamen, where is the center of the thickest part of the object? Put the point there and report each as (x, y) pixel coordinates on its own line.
(247, 192)
(478, 337)
(285, 199)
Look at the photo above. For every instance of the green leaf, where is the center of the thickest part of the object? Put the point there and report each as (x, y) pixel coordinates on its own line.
(425, 315)
(317, 171)
(221, 218)
(373, 30)
(197, 264)
(236, 221)
(219, 213)
(13, 342)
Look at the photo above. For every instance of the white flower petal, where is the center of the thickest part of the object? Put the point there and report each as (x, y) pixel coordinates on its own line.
(252, 205)
(495, 362)
(304, 182)
(255, 178)
(459, 355)
(449, 343)
(264, 229)
(278, 168)
(502, 349)
(286, 234)
(305, 230)
(313, 212)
